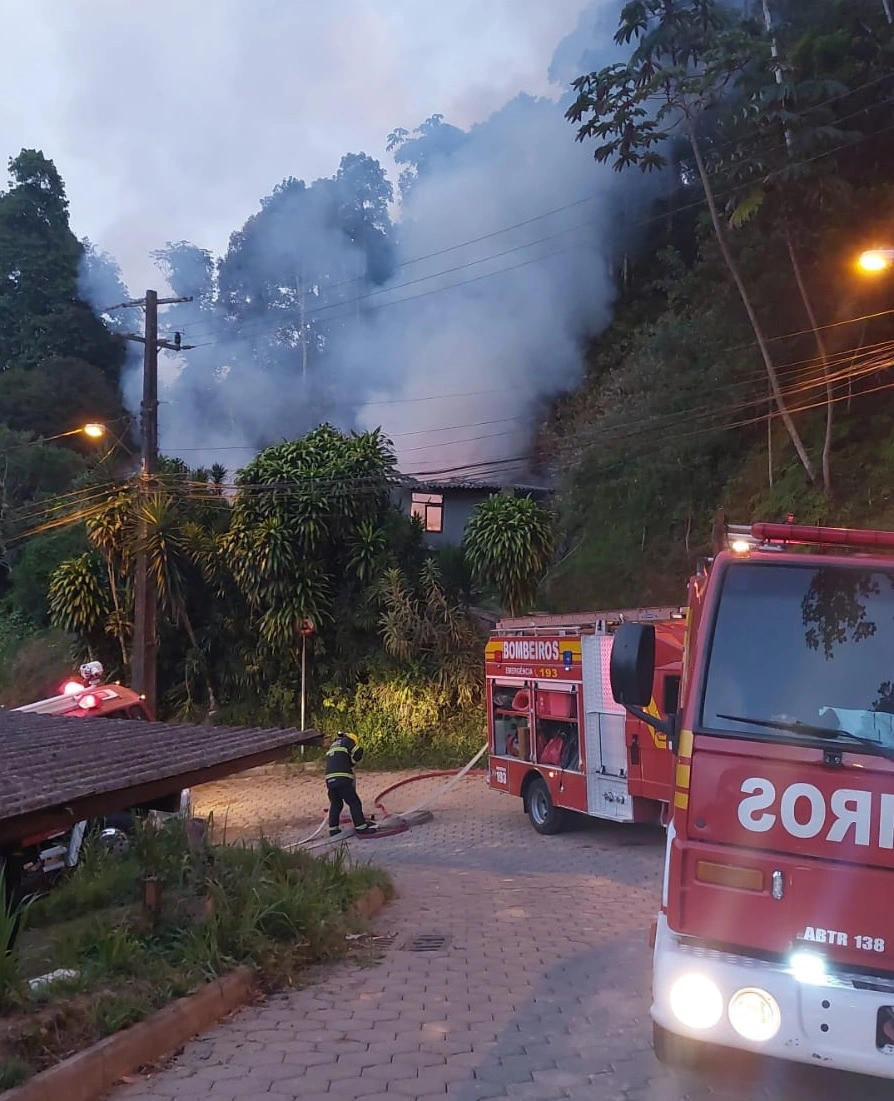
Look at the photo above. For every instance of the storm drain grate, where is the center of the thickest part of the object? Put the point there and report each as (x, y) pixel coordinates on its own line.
(426, 942)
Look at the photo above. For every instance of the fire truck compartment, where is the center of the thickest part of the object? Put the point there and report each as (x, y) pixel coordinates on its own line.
(555, 728)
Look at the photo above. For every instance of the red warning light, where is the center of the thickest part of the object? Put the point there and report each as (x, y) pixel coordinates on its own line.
(87, 702)
(72, 687)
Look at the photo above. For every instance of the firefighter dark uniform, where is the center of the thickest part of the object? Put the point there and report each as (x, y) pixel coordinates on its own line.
(341, 757)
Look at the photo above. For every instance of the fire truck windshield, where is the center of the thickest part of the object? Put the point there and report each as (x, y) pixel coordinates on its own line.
(803, 651)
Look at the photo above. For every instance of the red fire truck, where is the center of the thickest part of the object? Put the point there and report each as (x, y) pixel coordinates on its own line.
(88, 697)
(557, 736)
(774, 932)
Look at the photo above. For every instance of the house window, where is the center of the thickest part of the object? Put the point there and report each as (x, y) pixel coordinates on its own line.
(429, 507)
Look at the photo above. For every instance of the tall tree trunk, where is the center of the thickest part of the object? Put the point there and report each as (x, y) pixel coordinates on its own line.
(756, 327)
(191, 635)
(824, 359)
(799, 277)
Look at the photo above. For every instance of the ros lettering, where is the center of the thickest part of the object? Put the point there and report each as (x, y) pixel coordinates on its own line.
(816, 810)
(761, 795)
(803, 813)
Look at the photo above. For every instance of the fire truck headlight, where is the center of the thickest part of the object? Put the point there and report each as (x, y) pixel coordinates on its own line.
(754, 1014)
(808, 967)
(696, 1001)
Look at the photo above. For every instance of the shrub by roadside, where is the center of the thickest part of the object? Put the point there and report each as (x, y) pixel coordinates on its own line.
(221, 907)
(406, 725)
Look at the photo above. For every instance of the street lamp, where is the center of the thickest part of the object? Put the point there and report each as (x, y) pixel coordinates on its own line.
(93, 430)
(875, 260)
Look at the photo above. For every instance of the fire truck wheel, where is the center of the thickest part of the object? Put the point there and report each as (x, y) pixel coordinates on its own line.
(677, 1051)
(545, 816)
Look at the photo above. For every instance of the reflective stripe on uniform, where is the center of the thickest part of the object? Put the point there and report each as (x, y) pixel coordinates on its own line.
(339, 776)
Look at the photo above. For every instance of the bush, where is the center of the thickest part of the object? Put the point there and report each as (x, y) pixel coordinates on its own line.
(404, 724)
(273, 910)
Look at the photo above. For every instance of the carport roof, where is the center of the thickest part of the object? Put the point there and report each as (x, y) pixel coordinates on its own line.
(56, 770)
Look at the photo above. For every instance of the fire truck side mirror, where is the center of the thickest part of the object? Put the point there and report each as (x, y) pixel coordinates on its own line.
(632, 669)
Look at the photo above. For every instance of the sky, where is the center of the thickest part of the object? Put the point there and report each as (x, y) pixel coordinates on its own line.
(170, 120)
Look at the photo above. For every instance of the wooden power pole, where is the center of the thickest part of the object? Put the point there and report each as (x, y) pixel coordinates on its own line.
(144, 662)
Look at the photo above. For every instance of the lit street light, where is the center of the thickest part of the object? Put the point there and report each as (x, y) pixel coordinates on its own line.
(93, 429)
(875, 260)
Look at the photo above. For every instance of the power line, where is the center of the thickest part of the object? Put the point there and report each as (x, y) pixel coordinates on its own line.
(587, 199)
(265, 326)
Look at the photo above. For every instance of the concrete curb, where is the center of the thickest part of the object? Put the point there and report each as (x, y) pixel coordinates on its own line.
(92, 1073)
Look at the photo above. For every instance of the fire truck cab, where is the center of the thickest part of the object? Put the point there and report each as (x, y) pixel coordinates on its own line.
(557, 736)
(774, 932)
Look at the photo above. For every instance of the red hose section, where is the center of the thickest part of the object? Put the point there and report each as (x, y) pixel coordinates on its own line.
(411, 780)
(377, 802)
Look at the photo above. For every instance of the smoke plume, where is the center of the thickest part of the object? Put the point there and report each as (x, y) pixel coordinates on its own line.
(449, 326)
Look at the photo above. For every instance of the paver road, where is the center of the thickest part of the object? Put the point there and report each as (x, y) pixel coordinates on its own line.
(540, 992)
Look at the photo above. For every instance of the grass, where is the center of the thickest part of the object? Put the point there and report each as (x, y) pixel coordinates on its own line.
(13, 1072)
(223, 906)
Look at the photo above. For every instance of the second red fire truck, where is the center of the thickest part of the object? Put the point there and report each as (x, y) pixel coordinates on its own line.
(557, 736)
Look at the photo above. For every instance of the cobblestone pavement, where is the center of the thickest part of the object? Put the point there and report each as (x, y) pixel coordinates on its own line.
(540, 992)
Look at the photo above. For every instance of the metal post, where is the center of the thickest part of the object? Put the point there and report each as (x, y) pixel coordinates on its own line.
(303, 681)
(303, 671)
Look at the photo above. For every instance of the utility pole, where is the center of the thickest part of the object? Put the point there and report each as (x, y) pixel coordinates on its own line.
(143, 661)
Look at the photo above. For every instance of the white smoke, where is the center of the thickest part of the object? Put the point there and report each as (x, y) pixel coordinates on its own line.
(503, 271)
(501, 322)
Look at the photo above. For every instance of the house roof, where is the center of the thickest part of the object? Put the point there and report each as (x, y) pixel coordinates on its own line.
(468, 484)
(58, 770)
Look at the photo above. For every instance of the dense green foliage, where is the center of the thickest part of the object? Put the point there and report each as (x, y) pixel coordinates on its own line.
(59, 368)
(222, 906)
(509, 545)
(744, 331)
(310, 539)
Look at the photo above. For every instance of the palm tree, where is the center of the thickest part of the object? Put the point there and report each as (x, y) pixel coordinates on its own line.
(509, 544)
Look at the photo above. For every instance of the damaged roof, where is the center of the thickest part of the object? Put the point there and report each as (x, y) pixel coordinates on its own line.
(442, 485)
(58, 770)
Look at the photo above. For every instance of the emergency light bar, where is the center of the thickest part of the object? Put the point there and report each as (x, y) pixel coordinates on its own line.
(741, 539)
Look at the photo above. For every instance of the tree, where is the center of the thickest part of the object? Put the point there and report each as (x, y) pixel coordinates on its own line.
(772, 151)
(78, 599)
(313, 530)
(509, 544)
(292, 282)
(42, 316)
(432, 142)
(688, 54)
(59, 396)
(427, 628)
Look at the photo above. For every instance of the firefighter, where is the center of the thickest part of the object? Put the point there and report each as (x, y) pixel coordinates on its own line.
(342, 755)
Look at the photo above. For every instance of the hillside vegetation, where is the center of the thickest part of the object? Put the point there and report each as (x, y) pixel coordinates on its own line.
(676, 417)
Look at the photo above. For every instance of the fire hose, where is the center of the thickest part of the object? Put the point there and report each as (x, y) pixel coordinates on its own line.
(399, 823)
